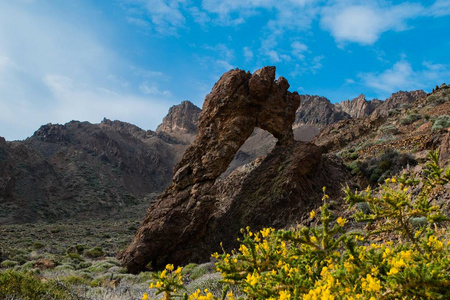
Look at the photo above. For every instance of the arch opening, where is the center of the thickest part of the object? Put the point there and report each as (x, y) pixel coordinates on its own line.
(258, 145)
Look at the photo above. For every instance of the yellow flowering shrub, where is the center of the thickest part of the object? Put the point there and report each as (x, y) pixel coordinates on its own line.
(394, 258)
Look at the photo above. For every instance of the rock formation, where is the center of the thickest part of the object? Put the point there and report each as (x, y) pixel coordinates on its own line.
(181, 122)
(198, 210)
(316, 110)
(358, 107)
(396, 100)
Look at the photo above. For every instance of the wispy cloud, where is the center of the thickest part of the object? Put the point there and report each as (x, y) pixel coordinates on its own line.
(364, 23)
(161, 16)
(298, 50)
(248, 54)
(402, 76)
(153, 89)
(439, 8)
(54, 70)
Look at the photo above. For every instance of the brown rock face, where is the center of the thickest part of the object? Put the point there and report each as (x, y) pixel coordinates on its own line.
(181, 122)
(444, 151)
(200, 210)
(358, 107)
(238, 103)
(319, 111)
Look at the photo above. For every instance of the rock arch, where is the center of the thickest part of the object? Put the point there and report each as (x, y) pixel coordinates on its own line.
(179, 222)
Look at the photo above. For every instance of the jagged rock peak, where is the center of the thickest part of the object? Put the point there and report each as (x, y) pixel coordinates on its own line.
(178, 223)
(317, 110)
(182, 118)
(125, 127)
(396, 100)
(52, 133)
(358, 107)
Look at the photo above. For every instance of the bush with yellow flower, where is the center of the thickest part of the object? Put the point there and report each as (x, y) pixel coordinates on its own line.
(396, 257)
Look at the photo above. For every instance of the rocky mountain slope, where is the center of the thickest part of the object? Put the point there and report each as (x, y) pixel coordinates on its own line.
(82, 170)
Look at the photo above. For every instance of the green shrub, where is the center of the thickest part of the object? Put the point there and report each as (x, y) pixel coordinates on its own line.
(411, 118)
(211, 282)
(393, 112)
(9, 263)
(38, 245)
(188, 269)
(94, 252)
(388, 129)
(100, 267)
(23, 285)
(354, 156)
(389, 163)
(201, 270)
(441, 122)
(84, 265)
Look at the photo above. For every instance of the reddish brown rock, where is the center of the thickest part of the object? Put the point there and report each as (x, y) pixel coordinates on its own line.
(198, 211)
(359, 107)
(44, 263)
(444, 151)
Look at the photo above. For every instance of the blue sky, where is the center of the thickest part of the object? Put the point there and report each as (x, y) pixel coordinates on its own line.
(132, 59)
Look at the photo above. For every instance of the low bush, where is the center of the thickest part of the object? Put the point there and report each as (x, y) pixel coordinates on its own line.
(93, 252)
(23, 285)
(411, 118)
(377, 169)
(441, 122)
(388, 129)
(8, 263)
(394, 258)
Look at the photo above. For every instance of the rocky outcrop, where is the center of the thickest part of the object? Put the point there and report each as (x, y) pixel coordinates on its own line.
(397, 100)
(319, 111)
(181, 122)
(444, 151)
(358, 107)
(199, 209)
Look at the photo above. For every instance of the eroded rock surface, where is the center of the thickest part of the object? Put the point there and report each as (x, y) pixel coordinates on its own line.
(198, 210)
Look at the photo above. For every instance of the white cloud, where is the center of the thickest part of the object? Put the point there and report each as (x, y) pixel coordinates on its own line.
(311, 66)
(153, 89)
(199, 16)
(273, 56)
(162, 16)
(55, 69)
(298, 50)
(95, 103)
(222, 51)
(440, 8)
(248, 54)
(364, 23)
(224, 65)
(402, 76)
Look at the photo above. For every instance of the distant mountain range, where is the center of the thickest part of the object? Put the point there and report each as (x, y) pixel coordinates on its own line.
(86, 170)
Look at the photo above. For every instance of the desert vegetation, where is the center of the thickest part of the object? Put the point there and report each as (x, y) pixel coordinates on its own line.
(402, 253)
(401, 250)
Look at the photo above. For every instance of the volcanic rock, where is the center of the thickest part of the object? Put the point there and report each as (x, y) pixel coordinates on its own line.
(358, 107)
(199, 209)
(316, 110)
(181, 122)
(444, 151)
(397, 100)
